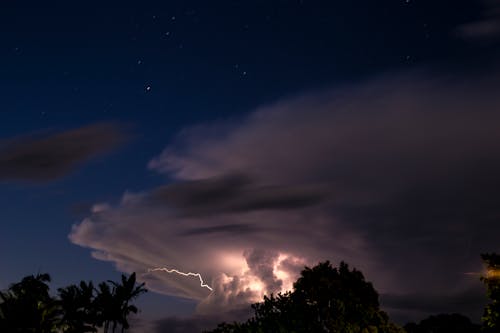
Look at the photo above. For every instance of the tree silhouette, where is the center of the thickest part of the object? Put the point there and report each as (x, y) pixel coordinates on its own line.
(324, 299)
(27, 307)
(78, 312)
(491, 316)
(444, 323)
(123, 294)
(106, 307)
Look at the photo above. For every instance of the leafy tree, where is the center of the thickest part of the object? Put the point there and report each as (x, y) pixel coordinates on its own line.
(106, 307)
(491, 316)
(324, 299)
(235, 328)
(27, 306)
(78, 312)
(444, 323)
(112, 303)
(124, 293)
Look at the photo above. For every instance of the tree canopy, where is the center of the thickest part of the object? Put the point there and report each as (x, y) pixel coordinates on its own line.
(324, 299)
(444, 323)
(491, 316)
(27, 306)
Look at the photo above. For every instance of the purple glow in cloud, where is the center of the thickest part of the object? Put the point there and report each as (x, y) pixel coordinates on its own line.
(397, 176)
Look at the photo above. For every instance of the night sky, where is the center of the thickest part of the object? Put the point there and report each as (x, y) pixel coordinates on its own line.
(243, 140)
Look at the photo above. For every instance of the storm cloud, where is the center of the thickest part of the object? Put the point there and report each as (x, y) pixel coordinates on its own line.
(50, 156)
(398, 176)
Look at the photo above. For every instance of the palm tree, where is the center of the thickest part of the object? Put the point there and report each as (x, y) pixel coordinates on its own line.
(78, 315)
(104, 305)
(27, 306)
(125, 293)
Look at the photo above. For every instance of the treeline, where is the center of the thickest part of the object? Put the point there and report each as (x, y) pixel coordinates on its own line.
(324, 299)
(28, 307)
(339, 300)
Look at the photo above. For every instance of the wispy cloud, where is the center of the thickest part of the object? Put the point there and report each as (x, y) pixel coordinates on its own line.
(487, 26)
(50, 156)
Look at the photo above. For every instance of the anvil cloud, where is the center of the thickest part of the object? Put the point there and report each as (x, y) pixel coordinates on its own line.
(398, 176)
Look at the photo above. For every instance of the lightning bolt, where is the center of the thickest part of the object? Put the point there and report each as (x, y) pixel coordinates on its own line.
(198, 275)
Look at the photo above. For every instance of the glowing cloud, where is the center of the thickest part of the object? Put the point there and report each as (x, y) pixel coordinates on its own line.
(397, 171)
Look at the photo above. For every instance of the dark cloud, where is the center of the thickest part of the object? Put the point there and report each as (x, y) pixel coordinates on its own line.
(397, 176)
(198, 323)
(471, 301)
(205, 192)
(50, 156)
(184, 325)
(230, 228)
(233, 193)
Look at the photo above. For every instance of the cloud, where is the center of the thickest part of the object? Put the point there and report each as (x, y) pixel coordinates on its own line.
(233, 193)
(487, 26)
(229, 228)
(398, 176)
(421, 305)
(51, 156)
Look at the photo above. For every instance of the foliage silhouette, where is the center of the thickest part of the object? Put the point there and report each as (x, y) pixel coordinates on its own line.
(324, 299)
(78, 312)
(27, 307)
(105, 306)
(491, 316)
(124, 293)
(444, 323)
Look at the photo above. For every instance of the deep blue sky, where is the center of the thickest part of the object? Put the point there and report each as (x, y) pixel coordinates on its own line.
(154, 68)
